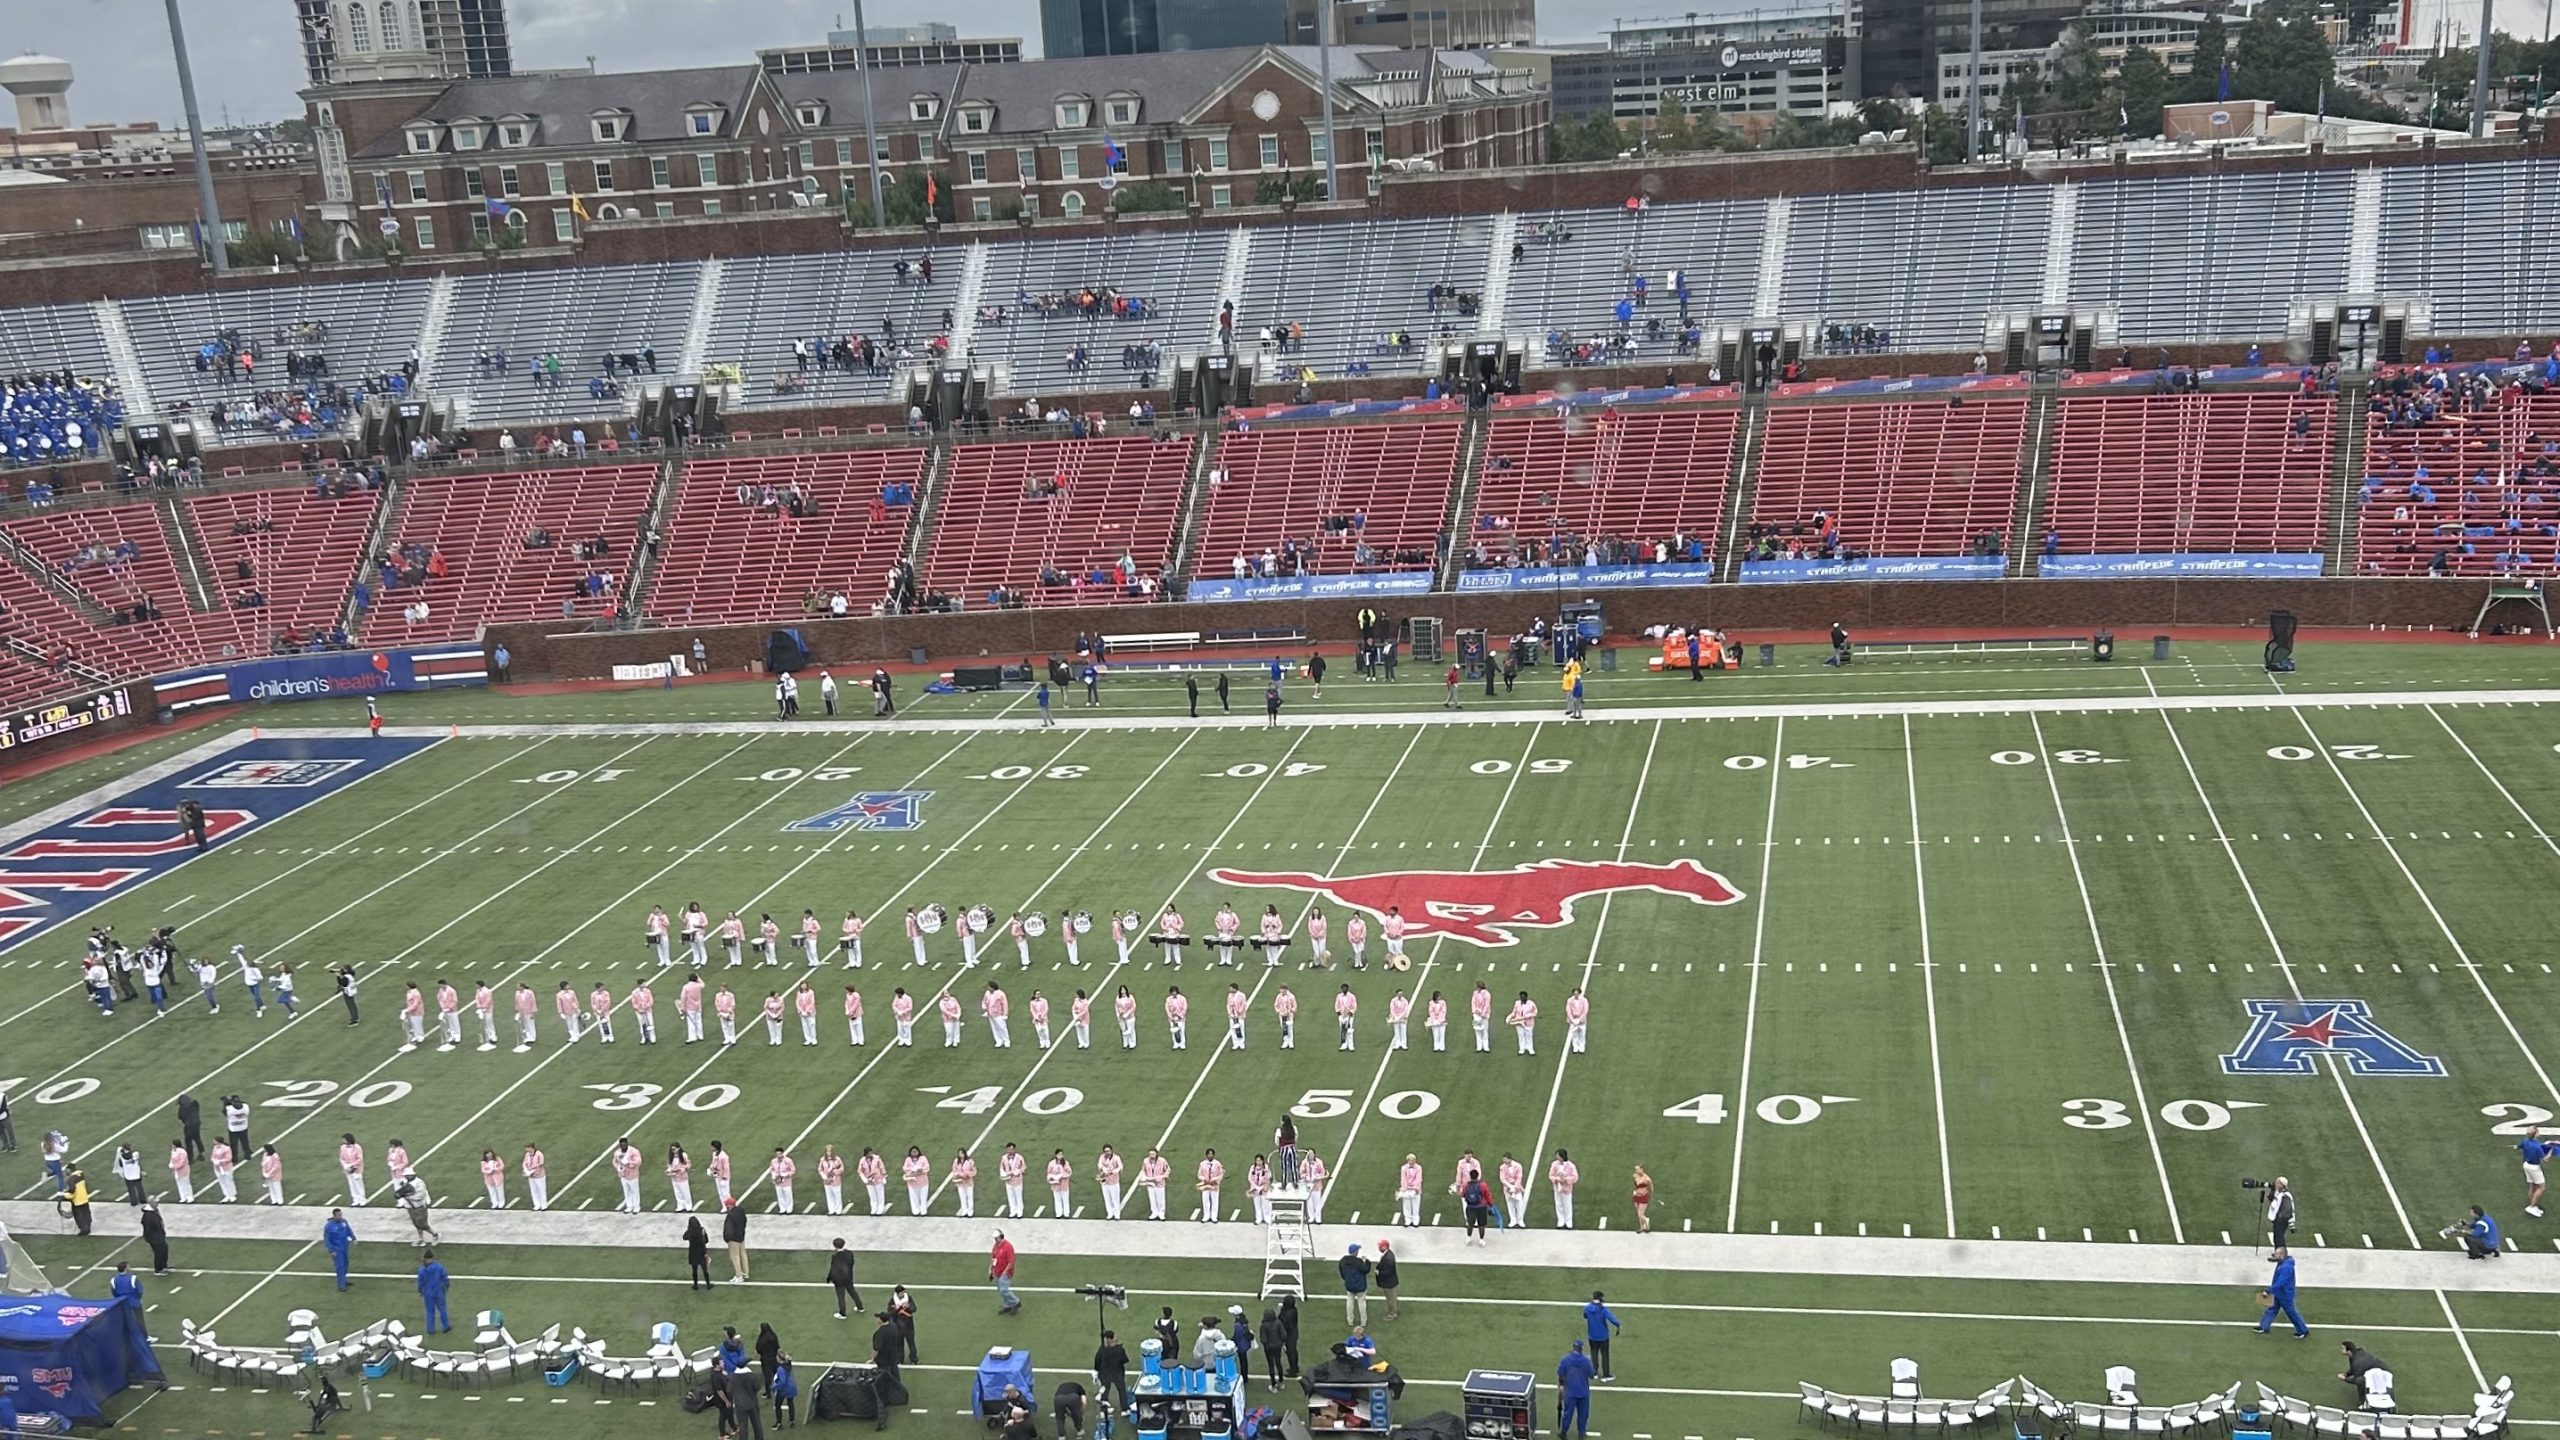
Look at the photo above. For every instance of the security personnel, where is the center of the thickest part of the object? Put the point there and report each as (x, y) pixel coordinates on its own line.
(340, 1237)
(1573, 1393)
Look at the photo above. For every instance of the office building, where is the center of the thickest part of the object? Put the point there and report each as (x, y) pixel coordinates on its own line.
(1072, 29)
(1422, 24)
(1902, 39)
(467, 37)
(897, 47)
(1778, 60)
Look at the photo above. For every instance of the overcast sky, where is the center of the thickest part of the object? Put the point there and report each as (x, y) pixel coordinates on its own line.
(249, 59)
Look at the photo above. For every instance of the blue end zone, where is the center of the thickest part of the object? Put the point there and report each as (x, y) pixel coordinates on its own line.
(57, 874)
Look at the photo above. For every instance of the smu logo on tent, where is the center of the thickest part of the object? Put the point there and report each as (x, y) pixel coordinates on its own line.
(873, 810)
(52, 1380)
(2285, 1035)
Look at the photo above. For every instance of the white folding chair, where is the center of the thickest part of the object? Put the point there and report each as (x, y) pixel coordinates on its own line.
(1899, 1413)
(1816, 1404)
(1906, 1379)
(1930, 1414)
(1843, 1408)
(2377, 1390)
(2297, 1412)
(2085, 1415)
(1987, 1404)
(2120, 1381)
(2330, 1420)
(2151, 1420)
(2120, 1419)
(2179, 1419)
(2501, 1393)
(1866, 1410)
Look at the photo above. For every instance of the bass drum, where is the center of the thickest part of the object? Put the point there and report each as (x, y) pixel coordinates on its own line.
(931, 918)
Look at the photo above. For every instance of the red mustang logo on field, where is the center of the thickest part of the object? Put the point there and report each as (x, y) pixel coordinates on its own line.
(1485, 907)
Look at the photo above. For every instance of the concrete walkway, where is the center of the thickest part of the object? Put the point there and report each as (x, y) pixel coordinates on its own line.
(2422, 1271)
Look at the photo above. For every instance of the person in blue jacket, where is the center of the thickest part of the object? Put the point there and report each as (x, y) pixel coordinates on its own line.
(433, 1284)
(1599, 1326)
(1573, 1392)
(733, 1351)
(126, 1285)
(340, 1237)
(2480, 1238)
(2280, 1298)
(786, 1394)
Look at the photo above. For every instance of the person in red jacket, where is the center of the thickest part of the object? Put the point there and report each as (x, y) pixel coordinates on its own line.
(1000, 1270)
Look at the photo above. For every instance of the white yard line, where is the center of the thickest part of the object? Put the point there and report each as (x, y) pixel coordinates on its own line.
(1591, 961)
(1422, 975)
(943, 853)
(1929, 978)
(2459, 1338)
(2284, 964)
(2107, 976)
(1377, 796)
(1751, 1003)
(220, 906)
(1208, 857)
(321, 1001)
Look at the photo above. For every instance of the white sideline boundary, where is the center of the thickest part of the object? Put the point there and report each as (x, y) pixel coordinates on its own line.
(2422, 1272)
(1526, 715)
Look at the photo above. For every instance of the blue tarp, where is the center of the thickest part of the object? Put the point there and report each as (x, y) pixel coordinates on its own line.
(2118, 567)
(1012, 1367)
(70, 1356)
(1941, 567)
(1586, 577)
(1313, 587)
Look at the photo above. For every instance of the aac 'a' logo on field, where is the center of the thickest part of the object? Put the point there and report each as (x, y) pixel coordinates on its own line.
(2285, 1035)
(1490, 907)
(872, 810)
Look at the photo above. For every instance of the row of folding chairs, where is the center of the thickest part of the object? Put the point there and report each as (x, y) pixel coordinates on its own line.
(1903, 1412)
(2488, 1417)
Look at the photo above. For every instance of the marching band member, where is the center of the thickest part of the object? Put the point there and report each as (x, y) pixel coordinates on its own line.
(1226, 940)
(1524, 1023)
(964, 1182)
(1062, 1174)
(768, 940)
(654, 935)
(1285, 1005)
(1577, 1021)
(724, 1004)
(271, 1165)
(1316, 928)
(1010, 1168)
(564, 1003)
(1480, 1009)
(223, 1163)
(1106, 1168)
(626, 1168)
(805, 1000)
(998, 1012)
(689, 1005)
(1355, 932)
(395, 1163)
(413, 1015)
(1399, 1010)
(600, 1013)
(1274, 941)
(680, 1177)
(1236, 1003)
(1409, 1191)
(915, 936)
(1170, 938)
(1311, 1175)
(1153, 1171)
(1067, 933)
(351, 1164)
(1435, 1017)
(1257, 1184)
(644, 1012)
(1210, 1177)
(902, 1010)
(718, 1165)
(180, 1172)
(1562, 1176)
(873, 1172)
(484, 1003)
(1515, 1190)
(782, 1170)
(733, 936)
(852, 1015)
(449, 1013)
(1393, 928)
(1040, 1019)
(968, 937)
(1121, 935)
(1124, 1007)
(849, 940)
(697, 929)
(949, 1005)
(831, 1179)
(917, 1171)
(1177, 1010)
(809, 929)
(1346, 1011)
(1021, 939)
(526, 1004)
(773, 1017)
(493, 1179)
(1080, 1015)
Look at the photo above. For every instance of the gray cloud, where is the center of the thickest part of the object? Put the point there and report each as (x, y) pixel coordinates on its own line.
(248, 58)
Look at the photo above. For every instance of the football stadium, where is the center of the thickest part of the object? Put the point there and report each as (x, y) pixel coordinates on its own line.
(1786, 789)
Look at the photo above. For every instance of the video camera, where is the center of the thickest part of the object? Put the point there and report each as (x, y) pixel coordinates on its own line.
(2246, 1183)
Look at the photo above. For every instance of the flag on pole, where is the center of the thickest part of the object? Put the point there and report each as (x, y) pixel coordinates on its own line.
(1113, 157)
(294, 222)
(2224, 91)
(497, 208)
(578, 207)
(932, 191)
(2324, 103)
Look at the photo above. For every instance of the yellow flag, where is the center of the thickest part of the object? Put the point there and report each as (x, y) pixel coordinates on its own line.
(578, 207)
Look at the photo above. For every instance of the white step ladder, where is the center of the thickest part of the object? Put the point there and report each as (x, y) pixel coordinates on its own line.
(1287, 1243)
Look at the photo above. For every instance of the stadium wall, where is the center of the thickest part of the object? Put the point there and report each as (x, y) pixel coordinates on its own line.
(539, 652)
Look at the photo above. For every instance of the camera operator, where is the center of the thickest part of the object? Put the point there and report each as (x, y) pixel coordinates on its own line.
(2478, 1234)
(2280, 1211)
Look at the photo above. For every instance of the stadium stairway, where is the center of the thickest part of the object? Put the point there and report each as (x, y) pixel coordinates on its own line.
(2346, 477)
(123, 358)
(1746, 474)
(937, 479)
(186, 552)
(1231, 283)
(431, 329)
(2035, 466)
(1195, 506)
(1768, 296)
(377, 538)
(964, 306)
(1495, 298)
(2062, 229)
(1462, 499)
(659, 520)
(706, 305)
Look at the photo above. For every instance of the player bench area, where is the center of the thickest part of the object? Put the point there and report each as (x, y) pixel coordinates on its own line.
(1200, 650)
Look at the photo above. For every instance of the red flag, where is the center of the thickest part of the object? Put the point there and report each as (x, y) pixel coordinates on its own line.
(932, 191)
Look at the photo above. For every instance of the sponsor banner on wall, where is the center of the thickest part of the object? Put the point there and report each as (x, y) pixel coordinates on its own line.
(2120, 567)
(1933, 567)
(330, 675)
(1313, 587)
(1585, 577)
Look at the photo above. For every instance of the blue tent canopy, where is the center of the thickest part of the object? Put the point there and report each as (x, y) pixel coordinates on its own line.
(66, 1355)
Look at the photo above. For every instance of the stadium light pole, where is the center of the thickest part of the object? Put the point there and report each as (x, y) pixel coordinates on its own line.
(870, 126)
(1324, 71)
(2480, 78)
(216, 248)
(1973, 92)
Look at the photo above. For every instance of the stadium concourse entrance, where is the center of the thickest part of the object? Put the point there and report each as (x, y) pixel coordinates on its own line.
(676, 412)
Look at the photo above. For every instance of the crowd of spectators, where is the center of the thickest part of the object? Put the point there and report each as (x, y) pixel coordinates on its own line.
(1855, 338)
(1093, 302)
(1495, 547)
(1817, 538)
(48, 417)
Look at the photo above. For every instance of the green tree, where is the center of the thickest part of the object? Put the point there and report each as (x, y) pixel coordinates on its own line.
(1272, 189)
(902, 201)
(2283, 57)
(1943, 134)
(2079, 72)
(1673, 130)
(264, 247)
(2213, 46)
(2142, 87)
(1141, 196)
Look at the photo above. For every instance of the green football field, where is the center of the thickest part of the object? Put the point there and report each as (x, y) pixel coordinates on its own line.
(1993, 949)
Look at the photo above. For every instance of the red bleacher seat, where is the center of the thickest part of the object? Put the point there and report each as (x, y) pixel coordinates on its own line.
(1903, 478)
(303, 561)
(54, 536)
(1285, 483)
(1642, 475)
(1123, 496)
(2501, 526)
(479, 523)
(727, 561)
(2215, 474)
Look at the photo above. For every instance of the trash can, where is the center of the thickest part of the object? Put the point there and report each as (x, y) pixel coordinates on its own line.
(2159, 647)
(1609, 658)
(1768, 656)
(915, 654)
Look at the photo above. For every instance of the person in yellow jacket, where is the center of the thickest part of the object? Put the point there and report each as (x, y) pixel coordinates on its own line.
(1572, 686)
(77, 1201)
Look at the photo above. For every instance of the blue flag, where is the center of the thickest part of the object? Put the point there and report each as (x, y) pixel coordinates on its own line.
(497, 208)
(2224, 93)
(1113, 157)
